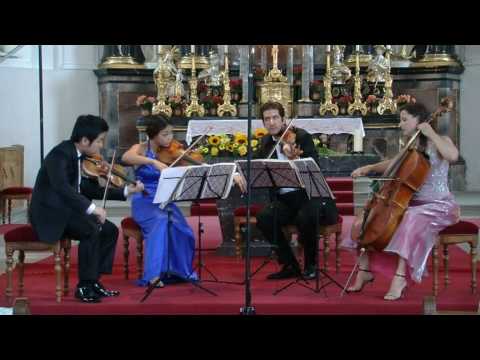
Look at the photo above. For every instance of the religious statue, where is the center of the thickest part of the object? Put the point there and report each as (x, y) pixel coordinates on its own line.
(340, 72)
(213, 71)
(379, 66)
(166, 68)
(178, 89)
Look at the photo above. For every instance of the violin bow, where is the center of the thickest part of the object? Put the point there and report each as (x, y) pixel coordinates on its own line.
(281, 137)
(362, 251)
(108, 180)
(191, 146)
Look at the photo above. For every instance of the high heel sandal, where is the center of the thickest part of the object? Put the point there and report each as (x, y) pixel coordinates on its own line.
(391, 297)
(364, 282)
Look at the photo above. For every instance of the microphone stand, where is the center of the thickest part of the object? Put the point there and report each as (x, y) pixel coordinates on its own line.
(248, 309)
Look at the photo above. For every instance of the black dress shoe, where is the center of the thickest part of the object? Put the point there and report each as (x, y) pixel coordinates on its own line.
(286, 273)
(87, 294)
(101, 291)
(309, 273)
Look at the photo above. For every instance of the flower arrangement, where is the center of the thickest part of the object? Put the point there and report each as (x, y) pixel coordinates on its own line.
(321, 143)
(405, 99)
(343, 101)
(236, 89)
(176, 102)
(230, 144)
(145, 103)
(372, 103)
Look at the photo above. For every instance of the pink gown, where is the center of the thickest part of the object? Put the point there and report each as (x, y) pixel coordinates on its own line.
(432, 209)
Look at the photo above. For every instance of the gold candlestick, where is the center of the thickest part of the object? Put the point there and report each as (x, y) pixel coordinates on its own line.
(328, 105)
(387, 102)
(194, 107)
(357, 104)
(226, 107)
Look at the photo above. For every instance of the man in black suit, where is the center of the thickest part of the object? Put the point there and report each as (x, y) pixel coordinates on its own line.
(293, 205)
(62, 206)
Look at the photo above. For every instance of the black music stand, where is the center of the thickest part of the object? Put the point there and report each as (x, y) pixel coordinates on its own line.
(207, 182)
(273, 174)
(316, 187)
(188, 184)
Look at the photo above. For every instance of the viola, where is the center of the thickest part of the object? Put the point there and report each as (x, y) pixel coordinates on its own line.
(176, 155)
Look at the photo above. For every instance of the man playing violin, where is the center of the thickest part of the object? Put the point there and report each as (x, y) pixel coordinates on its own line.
(292, 205)
(62, 206)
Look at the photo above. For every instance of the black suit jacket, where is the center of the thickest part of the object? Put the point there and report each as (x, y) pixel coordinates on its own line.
(55, 198)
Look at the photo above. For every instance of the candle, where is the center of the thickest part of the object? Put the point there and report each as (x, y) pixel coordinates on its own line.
(328, 48)
(192, 49)
(357, 48)
(226, 49)
(357, 141)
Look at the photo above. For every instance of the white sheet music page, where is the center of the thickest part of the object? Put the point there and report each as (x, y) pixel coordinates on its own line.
(219, 181)
(169, 178)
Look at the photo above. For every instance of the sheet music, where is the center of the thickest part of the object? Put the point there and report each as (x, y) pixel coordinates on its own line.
(168, 182)
(219, 181)
(314, 182)
(271, 173)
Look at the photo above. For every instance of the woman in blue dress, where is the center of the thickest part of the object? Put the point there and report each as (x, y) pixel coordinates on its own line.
(153, 220)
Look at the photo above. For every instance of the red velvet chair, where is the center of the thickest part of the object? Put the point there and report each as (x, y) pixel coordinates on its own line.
(462, 232)
(23, 239)
(13, 193)
(130, 229)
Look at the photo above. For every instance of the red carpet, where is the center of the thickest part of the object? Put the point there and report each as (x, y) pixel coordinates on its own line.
(187, 299)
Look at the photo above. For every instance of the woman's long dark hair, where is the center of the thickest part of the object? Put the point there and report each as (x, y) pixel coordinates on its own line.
(419, 111)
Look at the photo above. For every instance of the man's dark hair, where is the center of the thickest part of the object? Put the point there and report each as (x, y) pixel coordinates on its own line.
(155, 124)
(89, 126)
(273, 105)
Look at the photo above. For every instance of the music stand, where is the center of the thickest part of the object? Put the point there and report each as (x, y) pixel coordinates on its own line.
(216, 183)
(315, 186)
(185, 184)
(273, 174)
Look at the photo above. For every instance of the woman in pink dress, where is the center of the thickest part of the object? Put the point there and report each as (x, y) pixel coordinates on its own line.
(432, 209)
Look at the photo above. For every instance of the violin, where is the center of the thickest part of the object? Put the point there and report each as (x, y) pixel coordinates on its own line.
(287, 142)
(95, 167)
(176, 155)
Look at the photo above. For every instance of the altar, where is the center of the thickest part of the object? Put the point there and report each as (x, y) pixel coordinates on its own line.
(329, 126)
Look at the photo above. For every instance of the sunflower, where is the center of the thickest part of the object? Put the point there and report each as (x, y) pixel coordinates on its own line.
(242, 150)
(260, 132)
(230, 147)
(254, 143)
(214, 151)
(240, 138)
(221, 147)
(214, 140)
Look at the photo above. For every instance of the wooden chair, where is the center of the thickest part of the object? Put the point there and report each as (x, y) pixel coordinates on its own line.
(462, 232)
(24, 239)
(324, 232)
(130, 229)
(9, 194)
(240, 219)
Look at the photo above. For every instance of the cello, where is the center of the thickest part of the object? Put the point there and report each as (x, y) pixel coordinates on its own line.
(391, 195)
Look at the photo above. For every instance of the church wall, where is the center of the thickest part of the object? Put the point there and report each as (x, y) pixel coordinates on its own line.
(69, 89)
(470, 116)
